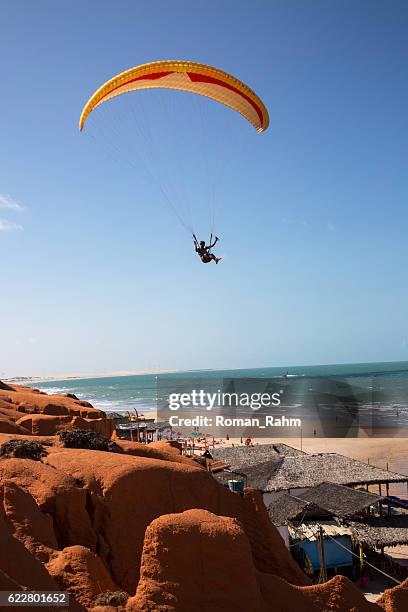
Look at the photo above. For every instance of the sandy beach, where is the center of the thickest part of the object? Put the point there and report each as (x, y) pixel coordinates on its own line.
(383, 452)
(27, 380)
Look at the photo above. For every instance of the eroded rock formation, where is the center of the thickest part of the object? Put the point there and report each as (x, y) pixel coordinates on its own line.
(28, 411)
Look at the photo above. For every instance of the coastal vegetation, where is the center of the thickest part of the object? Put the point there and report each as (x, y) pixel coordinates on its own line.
(92, 440)
(23, 449)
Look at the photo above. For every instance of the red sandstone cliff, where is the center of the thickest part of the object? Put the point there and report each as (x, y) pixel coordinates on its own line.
(29, 411)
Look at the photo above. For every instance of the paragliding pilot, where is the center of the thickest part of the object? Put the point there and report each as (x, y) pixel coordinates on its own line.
(204, 251)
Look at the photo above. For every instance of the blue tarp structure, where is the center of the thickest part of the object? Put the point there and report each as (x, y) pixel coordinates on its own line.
(401, 503)
(335, 555)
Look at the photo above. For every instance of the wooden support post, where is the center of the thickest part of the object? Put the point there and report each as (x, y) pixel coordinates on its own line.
(323, 571)
(130, 425)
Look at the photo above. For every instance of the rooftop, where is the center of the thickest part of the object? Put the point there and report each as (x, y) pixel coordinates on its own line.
(376, 532)
(284, 508)
(306, 471)
(339, 500)
(241, 457)
(310, 531)
(278, 467)
(327, 499)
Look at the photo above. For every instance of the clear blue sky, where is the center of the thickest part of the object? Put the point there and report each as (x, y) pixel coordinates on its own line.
(97, 274)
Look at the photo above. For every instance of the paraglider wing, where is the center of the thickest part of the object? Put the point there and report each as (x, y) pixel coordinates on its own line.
(185, 76)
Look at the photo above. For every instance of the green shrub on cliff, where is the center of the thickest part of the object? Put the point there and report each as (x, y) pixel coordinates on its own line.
(112, 598)
(22, 449)
(87, 439)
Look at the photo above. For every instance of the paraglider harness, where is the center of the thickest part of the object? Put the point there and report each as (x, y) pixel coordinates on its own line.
(203, 253)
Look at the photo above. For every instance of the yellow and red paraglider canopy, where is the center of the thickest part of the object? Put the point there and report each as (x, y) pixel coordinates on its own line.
(185, 76)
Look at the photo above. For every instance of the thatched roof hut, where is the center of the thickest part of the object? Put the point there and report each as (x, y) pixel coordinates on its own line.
(278, 467)
(306, 471)
(327, 500)
(378, 532)
(259, 475)
(258, 462)
(241, 457)
(339, 500)
(285, 508)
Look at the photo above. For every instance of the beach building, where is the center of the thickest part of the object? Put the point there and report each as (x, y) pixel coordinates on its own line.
(380, 532)
(322, 501)
(255, 454)
(343, 501)
(140, 428)
(349, 524)
(278, 467)
(301, 515)
(337, 545)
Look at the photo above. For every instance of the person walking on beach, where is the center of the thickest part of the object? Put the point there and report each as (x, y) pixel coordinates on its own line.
(204, 251)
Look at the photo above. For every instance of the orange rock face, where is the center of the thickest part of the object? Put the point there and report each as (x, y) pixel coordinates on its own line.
(128, 492)
(188, 559)
(396, 599)
(24, 410)
(11, 427)
(197, 560)
(25, 399)
(155, 450)
(8, 419)
(8, 410)
(81, 572)
(32, 527)
(56, 494)
(338, 594)
(18, 564)
(44, 424)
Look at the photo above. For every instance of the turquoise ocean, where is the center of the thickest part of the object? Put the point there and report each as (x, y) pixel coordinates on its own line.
(386, 383)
